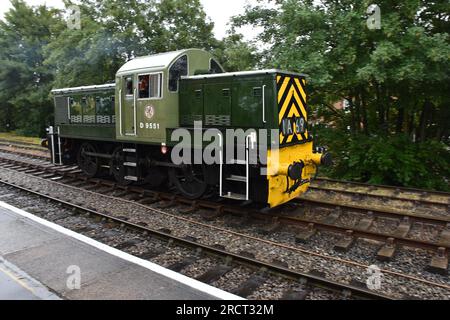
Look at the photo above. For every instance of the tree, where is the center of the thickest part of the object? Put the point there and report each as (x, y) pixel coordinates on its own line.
(395, 80)
(114, 32)
(25, 82)
(235, 54)
(40, 52)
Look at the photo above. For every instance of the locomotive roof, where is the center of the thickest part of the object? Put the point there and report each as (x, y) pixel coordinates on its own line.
(108, 86)
(243, 73)
(156, 61)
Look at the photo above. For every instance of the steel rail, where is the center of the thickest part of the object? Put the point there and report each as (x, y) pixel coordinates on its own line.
(400, 189)
(374, 195)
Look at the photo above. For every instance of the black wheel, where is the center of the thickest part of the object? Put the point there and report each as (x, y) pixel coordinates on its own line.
(117, 167)
(189, 180)
(90, 165)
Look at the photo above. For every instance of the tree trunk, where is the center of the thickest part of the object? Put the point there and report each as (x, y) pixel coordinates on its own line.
(352, 114)
(424, 118)
(358, 111)
(380, 105)
(400, 119)
(364, 113)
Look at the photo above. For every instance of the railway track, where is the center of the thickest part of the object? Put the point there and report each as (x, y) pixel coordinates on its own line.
(25, 150)
(22, 145)
(297, 214)
(384, 192)
(270, 220)
(399, 235)
(223, 260)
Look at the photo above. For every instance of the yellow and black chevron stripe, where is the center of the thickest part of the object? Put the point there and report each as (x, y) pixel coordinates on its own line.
(292, 105)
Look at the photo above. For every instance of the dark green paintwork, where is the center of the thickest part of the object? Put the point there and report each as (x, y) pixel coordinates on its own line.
(89, 132)
(243, 103)
(95, 105)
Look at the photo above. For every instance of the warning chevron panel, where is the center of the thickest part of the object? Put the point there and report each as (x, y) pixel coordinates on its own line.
(292, 114)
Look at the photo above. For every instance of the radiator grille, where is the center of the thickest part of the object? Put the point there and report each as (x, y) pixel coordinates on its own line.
(217, 120)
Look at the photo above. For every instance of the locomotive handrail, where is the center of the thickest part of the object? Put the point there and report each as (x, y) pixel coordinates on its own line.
(264, 103)
(221, 163)
(120, 112)
(59, 145)
(247, 169)
(135, 116)
(68, 109)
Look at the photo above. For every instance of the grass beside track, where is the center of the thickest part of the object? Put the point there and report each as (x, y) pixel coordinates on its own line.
(12, 137)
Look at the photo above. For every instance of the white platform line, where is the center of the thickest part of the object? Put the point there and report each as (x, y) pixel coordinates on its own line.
(200, 286)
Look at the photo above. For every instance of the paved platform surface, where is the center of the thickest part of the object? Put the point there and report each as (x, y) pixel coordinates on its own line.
(39, 260)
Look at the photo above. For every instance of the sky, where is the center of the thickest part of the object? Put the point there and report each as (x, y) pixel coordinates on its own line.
(219, 11)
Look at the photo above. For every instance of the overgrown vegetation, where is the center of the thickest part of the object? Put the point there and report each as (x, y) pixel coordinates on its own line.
(395, 126)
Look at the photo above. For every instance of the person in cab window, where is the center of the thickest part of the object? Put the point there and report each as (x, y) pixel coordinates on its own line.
(143, 87)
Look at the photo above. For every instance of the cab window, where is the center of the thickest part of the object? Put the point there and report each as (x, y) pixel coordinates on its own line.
(150, 86)
(129, 86)
(178, 69)
(214, 67)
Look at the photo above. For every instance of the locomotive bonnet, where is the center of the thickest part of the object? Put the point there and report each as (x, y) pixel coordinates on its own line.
(178, 119)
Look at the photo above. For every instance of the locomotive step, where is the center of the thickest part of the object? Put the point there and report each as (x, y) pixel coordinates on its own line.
(129, 150)
(130, 164)
(237, 178)
(236, 161)
(235, 196)
(131, 178)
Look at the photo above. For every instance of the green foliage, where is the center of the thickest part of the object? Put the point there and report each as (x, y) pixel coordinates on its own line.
(39, 52)
(396, 82)
(235, 54)
(113, 32)
(25, 82)
(394, 161)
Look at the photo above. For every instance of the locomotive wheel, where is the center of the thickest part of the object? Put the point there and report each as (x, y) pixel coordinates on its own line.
(88, 164)
(117, 168)
(189, 180)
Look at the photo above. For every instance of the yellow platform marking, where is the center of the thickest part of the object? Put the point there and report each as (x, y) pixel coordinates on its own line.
(17, 280)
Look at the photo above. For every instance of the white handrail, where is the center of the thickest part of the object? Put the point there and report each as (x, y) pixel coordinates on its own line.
(135, 115)
(264, 103)
(59, 146)
(247, 170)
(120, 112)
(68, 108)
(221, 163)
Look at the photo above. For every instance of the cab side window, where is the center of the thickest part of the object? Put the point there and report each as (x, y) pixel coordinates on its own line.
(129, 86)
(144, 86)
(178, 69)
(150, 86)
(214, 67)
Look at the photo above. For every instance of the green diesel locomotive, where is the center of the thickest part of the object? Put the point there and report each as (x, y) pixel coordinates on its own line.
(178, 118)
